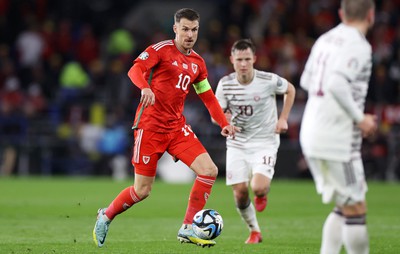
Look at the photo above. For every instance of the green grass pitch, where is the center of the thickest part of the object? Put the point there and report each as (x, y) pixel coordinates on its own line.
(57, 215)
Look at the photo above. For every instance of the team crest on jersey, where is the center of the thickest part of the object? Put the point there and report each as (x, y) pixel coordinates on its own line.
(256, 98)
(146, 159)
(194, 68)
(353, 64)
(144, 55)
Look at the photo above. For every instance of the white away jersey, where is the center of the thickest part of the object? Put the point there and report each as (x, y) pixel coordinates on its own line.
(340, 57)
(253, 107)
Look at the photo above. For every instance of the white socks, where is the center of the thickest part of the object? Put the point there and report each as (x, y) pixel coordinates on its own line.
(350, 232)
(355, 235)
(248, 215)
(332, 233)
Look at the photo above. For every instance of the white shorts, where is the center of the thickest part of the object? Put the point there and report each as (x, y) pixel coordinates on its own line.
(340, 182)
(241, 164)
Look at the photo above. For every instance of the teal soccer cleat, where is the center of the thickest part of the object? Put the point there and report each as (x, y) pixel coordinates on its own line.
(187, 235)
(101, 228)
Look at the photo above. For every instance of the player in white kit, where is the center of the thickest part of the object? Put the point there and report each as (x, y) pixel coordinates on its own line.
(336, 77)
(248, 97)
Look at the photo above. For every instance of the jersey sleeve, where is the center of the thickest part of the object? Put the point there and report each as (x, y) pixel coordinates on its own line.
(281, 84)
(144, 62)
(220, 96)
(341, 92)
(352, 61)
(306, 76)
(346, 70)
(148, 58)
(203, 73)
(135, 73)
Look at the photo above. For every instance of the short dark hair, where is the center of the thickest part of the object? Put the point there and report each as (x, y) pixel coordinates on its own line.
(243, 44)
(186, 13)
(356, 9)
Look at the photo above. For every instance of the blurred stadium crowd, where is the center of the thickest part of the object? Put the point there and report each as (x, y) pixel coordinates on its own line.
(67, 104)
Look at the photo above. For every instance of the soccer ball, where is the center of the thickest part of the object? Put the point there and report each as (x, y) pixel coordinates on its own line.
(207, 224)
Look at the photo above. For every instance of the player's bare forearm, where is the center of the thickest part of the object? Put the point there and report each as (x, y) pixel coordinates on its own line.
(281, 126)
(288, 102)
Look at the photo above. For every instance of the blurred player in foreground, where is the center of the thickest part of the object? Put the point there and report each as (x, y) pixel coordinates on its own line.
(164, 73)
(248, 97)
(336, 77)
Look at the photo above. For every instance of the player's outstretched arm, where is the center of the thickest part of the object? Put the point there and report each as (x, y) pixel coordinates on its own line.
(211, 102)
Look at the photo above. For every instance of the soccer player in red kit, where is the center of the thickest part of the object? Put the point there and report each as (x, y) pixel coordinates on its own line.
(164, 72)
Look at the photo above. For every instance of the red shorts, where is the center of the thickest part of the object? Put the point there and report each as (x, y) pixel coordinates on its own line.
(150, 146)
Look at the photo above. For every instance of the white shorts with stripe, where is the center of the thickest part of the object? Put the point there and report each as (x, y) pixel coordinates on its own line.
(242, 164)
(340, 182)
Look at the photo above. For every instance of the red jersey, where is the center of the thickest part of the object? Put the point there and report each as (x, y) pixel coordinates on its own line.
(172, 74)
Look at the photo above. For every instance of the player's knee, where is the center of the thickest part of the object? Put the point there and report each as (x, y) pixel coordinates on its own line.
(203, 165)
(241, 195)
(214, 171)
(357, 209)
(210, 171)
(241, 198)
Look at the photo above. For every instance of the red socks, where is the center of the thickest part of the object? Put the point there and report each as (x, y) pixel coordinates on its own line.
(122, 202)
(197, 200)
(198, 196)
